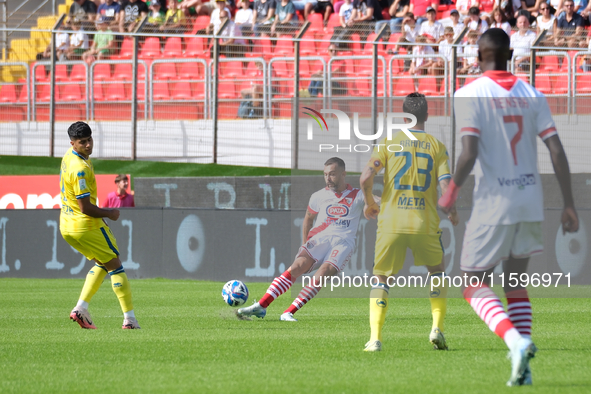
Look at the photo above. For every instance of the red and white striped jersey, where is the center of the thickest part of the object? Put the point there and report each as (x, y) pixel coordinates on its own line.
(338, 213)
(507, 115)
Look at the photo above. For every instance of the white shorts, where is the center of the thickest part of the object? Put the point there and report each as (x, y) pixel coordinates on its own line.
(486, 246)
(335, 251)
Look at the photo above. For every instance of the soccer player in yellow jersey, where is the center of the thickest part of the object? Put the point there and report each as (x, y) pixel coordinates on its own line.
(83, 227)
(408, 217)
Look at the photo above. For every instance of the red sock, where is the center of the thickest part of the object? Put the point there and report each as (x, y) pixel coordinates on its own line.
(305, 295)
(279, 286)
(519, 311)
(489, 308)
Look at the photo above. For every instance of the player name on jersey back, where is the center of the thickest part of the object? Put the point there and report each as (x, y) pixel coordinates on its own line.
(506, 115)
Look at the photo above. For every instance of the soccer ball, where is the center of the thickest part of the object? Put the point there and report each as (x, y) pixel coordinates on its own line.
(235, 293)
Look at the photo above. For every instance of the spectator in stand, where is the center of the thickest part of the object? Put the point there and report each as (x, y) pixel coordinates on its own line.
(132, 11)
(195, 7)
(120, 198)
(244, 17)
(410, 31)
(343, 32)
(365, 14)
(463, 6)
(156, 16)
(78, 42)
(431, 28)
(174, 21)
(474, 22)
(83, 11)
(569, 27)
(532, 6)
(500, 21)
(580, 5)
(62, 43)
(419, 8)
(110, 10)
(263, 16)
(323, 7)
(397, 10)
(338, 71)
(521, 43)
(215, 20)
(458, 26)
(586, 12)
(509, 9)
(421, 65)
(231, 42)
(470, 61)
(546, 21)
(445, 50)
(300, 5)
(103, 45)
(255, 92)
(558, 6)
(286, 22)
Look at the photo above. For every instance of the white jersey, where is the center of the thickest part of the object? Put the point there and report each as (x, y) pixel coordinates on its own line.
(338, 213)
(507, 115)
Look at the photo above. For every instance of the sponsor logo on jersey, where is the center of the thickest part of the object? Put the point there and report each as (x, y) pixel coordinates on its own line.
(381, 302)
(405, 202)
(521, 182)
(82, 184)
(311, 244)
(348, 200)
(337, 210)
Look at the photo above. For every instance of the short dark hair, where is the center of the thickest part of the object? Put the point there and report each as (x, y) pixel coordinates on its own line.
(121, 177)
(79, 130)
(335, 160)
(474, 11)
(416, 104)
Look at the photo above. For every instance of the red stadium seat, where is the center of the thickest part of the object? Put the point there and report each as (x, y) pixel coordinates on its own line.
(151, 48)
(227, 89)
(115, 92)
(181, 91)
(584, 83)
(428, 86)
(122, 71)
(173, 47)
(40, 75)
(405, 86)
(231, 69)
(560, 84)
(126, 51)
(61, 72)
(165, 71)
(198, 90)
(24, 94)
(281, 69)
(284, 48)
(543, 84)
(161, 92)
(103, 71)
(97, 93)
(316, 23)
(8, 94)
(78, 72)
(549, 63)
(195, 47)
(191, 71)
(308, 46)
(201, 23)
(333, 21)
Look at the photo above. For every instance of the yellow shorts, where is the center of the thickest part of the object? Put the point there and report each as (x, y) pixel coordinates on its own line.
(427, 249)
(99, 244)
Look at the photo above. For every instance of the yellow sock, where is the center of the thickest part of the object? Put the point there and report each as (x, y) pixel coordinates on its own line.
(122, 288)
(93, 282)
(378, 306)
(438, 298)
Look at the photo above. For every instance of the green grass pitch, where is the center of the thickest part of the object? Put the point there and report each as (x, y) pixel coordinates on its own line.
(191, 343)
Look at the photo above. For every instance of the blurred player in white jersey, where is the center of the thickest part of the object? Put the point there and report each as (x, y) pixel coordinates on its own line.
(499, 117)
(327, 247)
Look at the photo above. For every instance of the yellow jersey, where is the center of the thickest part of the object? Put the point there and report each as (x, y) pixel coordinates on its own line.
(77, 181)
(409, 199)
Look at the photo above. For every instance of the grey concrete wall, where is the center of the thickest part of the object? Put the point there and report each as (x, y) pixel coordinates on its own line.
(251, 245)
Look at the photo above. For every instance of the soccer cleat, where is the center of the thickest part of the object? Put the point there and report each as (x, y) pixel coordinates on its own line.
(253, 310)
(437, 339)
(130, 323)
(527, 381)
(523, 351)
(373, 346)
(82, 317)
(287, 316)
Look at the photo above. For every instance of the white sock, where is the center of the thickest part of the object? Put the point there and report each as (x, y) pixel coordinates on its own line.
(129, 314)
(511, 337)
(82, 304)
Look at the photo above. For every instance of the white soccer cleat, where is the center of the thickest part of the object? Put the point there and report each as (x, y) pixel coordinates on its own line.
(437, 339)
(373, 346)
(523, 351)
(130, 323)
(253, 310)
(287, 316)
(82, 317)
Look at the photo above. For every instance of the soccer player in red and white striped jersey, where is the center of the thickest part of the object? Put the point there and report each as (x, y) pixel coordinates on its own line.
(327, 247)
(499, 117)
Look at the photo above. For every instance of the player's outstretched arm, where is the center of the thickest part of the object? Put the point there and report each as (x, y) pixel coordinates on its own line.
(88, 208)
(569, 219)
(372, 209)
(465, 164)
(307, 225)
